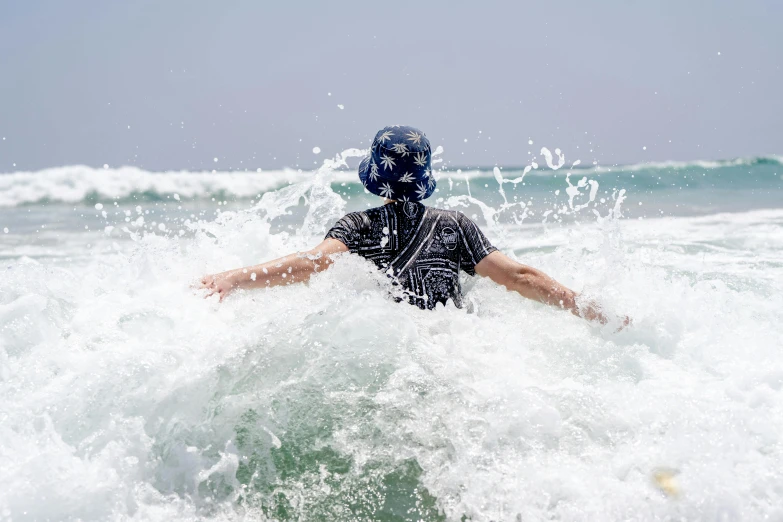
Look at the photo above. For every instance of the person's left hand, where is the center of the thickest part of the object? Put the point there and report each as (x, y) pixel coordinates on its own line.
(221, 284)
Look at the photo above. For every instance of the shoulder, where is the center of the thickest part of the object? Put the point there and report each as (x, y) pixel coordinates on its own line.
(357, 220)
(454, 216)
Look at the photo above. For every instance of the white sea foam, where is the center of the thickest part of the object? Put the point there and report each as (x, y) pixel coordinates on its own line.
(702, 164)
(125, 395)
(75, 184)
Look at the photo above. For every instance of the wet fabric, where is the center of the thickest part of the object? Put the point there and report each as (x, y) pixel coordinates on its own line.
(421, 248)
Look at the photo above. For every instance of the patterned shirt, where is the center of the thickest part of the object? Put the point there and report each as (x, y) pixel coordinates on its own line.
(421, 248)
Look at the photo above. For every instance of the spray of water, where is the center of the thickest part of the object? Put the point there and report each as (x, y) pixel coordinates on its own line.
(125, 395)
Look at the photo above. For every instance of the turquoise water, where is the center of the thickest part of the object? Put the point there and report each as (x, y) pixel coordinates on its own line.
(64, 197)
(125, 395)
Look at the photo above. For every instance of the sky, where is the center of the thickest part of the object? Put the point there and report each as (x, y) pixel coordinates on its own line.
(176, 85)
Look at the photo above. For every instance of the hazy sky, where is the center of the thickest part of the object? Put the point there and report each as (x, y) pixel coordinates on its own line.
(172, 84)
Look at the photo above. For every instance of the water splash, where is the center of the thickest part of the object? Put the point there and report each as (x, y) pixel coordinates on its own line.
(127, 396)
(548, 157)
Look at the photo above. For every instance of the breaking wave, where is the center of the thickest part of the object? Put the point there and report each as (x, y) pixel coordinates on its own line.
(81, 184)
(126, 396)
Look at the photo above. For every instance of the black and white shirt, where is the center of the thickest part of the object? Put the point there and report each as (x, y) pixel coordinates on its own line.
(421, 248)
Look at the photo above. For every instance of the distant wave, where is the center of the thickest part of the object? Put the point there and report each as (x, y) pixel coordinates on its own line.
(75, 184)
(702, 164)
(636, 167)
(82, 184)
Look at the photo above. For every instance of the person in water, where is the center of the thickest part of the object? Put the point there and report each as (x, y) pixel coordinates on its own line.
(422, 249)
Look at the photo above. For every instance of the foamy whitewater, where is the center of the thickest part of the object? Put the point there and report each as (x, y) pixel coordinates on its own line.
(126, 396)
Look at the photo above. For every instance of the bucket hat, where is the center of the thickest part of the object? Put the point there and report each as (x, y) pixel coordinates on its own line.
(399, 165)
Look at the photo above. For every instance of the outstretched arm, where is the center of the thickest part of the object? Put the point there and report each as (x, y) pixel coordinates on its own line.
(534, 284)
(292, 268)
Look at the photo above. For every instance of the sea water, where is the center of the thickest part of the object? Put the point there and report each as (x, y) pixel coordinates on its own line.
(126, 395)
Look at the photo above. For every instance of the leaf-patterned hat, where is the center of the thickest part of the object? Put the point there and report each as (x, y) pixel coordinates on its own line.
(399, 166)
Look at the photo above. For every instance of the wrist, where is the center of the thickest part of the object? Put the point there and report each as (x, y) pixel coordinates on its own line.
(235, 279)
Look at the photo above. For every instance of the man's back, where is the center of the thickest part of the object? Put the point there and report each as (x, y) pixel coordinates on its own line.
(423, 248)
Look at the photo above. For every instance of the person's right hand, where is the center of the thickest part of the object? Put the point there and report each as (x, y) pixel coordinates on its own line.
(221, 284)
(627, 321)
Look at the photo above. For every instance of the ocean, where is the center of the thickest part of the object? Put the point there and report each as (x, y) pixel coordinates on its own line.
(124, 395)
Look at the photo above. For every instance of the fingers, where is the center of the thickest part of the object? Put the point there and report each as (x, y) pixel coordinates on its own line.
(626, 323)
(212, 290)
(224, 293)
(210, 284)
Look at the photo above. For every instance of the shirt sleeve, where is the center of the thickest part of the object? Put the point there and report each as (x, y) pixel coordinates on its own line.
(348, 230)
(474, 246)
